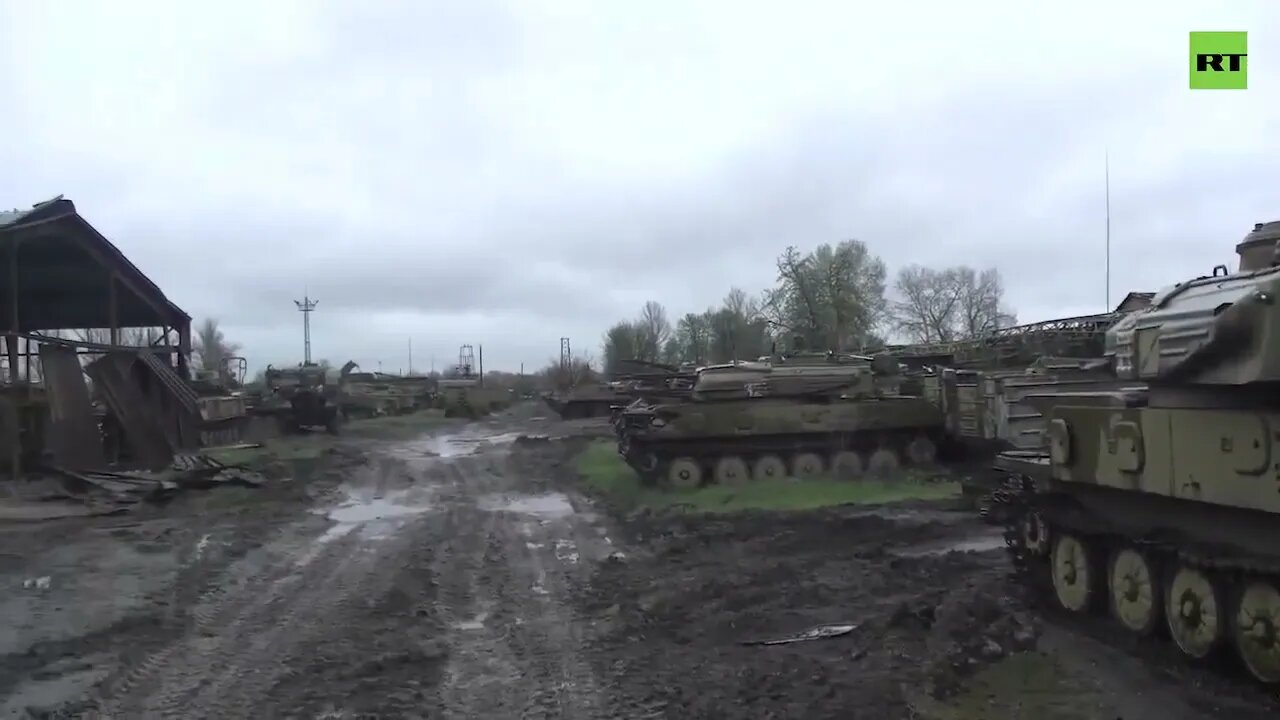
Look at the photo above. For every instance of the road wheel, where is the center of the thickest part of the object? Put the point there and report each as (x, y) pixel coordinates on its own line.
(806, 466)
(883, 463)
(1257, 630)
(768, 468)
(846, 465)
(1135, 591)
(732, 470)
(1074, 581)
(684, 473)
(1035, 533)
(1195, 612)
(922, 452)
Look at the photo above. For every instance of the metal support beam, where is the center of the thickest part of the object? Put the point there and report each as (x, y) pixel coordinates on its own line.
(113, 309)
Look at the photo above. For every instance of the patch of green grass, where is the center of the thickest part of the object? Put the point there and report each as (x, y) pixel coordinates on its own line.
(395, 427)
(602, 470)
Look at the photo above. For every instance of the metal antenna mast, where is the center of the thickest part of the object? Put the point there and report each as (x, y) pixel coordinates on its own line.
(306, 306)
(1107, 176)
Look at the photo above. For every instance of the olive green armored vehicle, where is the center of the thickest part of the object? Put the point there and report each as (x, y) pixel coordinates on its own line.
(1160, 502)
(798, 418)
(588, 400)
(300, 397)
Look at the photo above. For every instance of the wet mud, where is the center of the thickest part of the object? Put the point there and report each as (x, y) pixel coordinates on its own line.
(462, 575)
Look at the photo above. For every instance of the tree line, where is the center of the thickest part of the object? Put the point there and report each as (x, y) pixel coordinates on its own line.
(835, 297)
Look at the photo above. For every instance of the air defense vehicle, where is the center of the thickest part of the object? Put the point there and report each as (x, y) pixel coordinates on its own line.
(1159, 502)
(800, 417)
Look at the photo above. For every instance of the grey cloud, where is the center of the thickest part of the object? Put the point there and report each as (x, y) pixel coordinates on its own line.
(508, 173)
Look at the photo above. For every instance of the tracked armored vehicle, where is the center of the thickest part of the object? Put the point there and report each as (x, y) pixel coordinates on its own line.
(301, 397)
(1160, 502)
(589, 400)
(766, 421)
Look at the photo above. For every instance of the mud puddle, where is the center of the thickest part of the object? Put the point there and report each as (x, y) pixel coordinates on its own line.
(452, 445)
(374, 516)
(546, 505)
(987, 541)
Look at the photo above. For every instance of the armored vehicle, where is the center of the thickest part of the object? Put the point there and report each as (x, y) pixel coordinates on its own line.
(800, 417)
(301, 397)
(1160, 501)
(589, 400)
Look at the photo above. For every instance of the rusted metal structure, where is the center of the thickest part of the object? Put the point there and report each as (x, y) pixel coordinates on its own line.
(57, 272)
(1017, 346)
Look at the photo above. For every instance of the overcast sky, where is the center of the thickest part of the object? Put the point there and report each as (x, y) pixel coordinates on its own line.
(508, 173)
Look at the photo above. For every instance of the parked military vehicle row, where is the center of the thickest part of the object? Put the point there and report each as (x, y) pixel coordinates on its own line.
(1142, 478)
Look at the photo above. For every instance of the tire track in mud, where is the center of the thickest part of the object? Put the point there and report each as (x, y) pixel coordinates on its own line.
(462, 610)
(515, 650)
(242, 633)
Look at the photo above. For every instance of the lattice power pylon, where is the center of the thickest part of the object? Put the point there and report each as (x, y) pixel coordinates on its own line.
(306, 306)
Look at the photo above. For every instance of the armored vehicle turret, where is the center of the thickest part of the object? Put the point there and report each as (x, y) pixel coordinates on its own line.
(1160, 502)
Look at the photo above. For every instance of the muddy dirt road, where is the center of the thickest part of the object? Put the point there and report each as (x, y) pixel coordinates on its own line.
(462, 576)
(441, 587)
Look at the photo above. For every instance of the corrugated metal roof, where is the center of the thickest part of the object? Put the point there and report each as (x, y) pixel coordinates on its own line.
(59, 217)
(10, 217)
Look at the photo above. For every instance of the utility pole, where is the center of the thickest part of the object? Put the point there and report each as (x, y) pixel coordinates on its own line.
(410, 356)
(306, 306)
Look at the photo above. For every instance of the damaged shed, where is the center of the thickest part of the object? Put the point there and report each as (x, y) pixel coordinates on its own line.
(58, 274)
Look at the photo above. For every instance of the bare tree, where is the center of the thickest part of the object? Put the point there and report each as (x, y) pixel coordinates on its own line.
(950, 304)
(141, 336)
(562, 377)
(928, 308)
(981, 298)
(653, 331)
(212, 348)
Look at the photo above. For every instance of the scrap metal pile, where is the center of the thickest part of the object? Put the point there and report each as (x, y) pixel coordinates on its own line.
(115, 491)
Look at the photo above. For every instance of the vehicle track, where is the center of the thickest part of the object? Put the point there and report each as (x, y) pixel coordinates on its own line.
(515, 651)
(459, 608)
